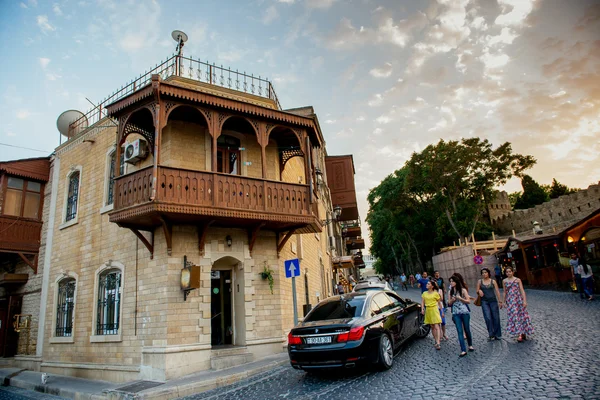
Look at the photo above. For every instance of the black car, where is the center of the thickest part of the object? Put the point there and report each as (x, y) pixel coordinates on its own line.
(355, 328)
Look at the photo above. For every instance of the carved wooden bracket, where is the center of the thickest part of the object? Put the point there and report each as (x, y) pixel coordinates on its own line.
(252, 234)
(282, 242)
(145, 242)
(202, 229)
(32, 264)
(168, 229)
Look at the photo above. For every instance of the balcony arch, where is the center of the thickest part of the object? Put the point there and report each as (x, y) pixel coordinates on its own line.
(288, 144)
(140, 121)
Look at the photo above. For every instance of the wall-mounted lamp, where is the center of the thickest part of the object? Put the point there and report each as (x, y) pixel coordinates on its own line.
(319, 175)
(337, 212)
(228, 240)
(570, 239)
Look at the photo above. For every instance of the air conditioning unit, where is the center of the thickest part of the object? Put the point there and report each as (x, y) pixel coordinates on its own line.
(136, 151)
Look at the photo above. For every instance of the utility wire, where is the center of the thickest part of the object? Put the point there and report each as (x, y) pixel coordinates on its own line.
(25, 148)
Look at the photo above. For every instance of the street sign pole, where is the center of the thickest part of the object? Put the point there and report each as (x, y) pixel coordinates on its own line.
(294, 299)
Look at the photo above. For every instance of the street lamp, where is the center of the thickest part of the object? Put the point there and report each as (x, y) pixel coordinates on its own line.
(337, 212)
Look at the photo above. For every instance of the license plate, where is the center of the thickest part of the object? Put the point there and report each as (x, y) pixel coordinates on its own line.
(318, 340)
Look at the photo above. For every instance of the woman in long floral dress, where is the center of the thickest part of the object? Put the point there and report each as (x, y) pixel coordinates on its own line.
(514, 299)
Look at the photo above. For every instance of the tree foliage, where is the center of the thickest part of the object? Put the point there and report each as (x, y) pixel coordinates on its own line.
(533, 194)
(437, 197)
(556, 189)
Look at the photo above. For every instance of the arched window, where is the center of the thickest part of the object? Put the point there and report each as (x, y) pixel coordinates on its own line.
(64, 307)
(109, 303)
(72, 196)
(110, 176)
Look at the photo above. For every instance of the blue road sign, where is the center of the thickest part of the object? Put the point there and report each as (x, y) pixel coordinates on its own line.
(292, 268)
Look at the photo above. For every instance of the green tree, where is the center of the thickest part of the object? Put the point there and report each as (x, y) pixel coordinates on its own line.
(533, 194)
(460, 177)
(513, 198)
(556, 189)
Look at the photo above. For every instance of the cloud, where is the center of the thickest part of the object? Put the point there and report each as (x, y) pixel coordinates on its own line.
(383, 72)
(361, 118)
(23, 114)
(57, 10)
(44, 62)
(286, 1)
(52, 77)
(271, 15)
(330, 121)
(376, 100)
(316, 63)
(44, 25)
(323, 4)
(514, 12)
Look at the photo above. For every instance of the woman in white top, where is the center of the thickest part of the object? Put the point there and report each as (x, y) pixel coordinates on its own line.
(587, 279)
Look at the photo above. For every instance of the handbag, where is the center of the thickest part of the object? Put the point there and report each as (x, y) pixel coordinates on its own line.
(477, 301)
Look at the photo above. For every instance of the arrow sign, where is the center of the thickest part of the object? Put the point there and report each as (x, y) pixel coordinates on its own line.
(292, 268)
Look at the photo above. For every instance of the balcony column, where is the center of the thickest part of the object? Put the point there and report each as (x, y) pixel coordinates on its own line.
(308, 166)
(263, 141)
(158, 127)
(215, 132)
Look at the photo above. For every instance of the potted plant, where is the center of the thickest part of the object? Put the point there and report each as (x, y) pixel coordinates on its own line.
(267, 273)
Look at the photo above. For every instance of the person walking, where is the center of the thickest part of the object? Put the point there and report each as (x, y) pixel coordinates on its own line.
(423, 282)
(443, 313)
(411, 280)
(587, 279)
(417, 277)
(431, 307)
(518, 320)
(498, 274)
(574, 262)
(403, 280)
(487, 289)
(458, 300)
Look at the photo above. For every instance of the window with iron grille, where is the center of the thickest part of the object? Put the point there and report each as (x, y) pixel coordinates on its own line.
(73, 196)
(64, 308)
(109, 300)
(111, 178)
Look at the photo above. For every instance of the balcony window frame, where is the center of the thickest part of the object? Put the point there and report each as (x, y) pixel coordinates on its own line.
(109, 178)
(24, 191)
(108, 267)
(62, 278)
(75, 220)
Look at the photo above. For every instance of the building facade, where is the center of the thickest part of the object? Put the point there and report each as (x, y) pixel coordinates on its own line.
(174, 209)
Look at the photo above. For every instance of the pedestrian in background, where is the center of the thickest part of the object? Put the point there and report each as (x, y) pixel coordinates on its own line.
(442, 312)
(498, 274)
(587, 279)
(411, 280)
(431, 307)
(417, 277)
(487, 289)
(574, 262)
(458, 300)
(518, 320)
(403, 280)
(423, 282)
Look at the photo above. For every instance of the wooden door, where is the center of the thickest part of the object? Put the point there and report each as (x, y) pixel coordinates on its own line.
(10, 341)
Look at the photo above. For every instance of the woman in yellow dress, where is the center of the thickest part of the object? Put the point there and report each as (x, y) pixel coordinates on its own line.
(432, 308)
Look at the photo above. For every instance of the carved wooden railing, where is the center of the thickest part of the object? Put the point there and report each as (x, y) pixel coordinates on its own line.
(211, 189)
(18, 234)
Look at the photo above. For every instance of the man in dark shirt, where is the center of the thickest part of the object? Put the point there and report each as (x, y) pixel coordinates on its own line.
(440, 282)
(423, 282)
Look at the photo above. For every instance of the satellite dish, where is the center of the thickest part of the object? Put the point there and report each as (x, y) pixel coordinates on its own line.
(179, 36)
(64, 121)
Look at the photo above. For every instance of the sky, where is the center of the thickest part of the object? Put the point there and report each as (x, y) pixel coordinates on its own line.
(386, 78)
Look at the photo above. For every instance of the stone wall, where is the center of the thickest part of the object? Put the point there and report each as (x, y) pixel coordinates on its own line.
(461, 260)
(552, 215)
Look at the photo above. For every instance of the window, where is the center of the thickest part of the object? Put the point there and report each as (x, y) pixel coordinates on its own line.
(340, 307)
(72, 196)
(109, 299)
(64, 308)
(384, 302)
(23, 198)
(110, 185)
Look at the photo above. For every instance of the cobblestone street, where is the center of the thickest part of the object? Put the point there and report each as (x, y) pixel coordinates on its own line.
(560, 361)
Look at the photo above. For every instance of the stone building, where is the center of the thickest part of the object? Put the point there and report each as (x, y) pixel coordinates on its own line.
(552, 215)
(173, 205)
(23, 203)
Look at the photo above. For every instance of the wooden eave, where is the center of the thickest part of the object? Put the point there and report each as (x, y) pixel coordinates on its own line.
(7, 279)
(29, 168)
(171, 89)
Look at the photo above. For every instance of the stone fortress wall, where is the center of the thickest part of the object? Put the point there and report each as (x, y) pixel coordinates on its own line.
(555, 214)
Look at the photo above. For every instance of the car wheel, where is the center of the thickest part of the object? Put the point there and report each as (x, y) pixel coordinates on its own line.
(386, 352)
(423, 330)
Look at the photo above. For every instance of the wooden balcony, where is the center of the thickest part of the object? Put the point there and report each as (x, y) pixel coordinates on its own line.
(355, 243)
(203, 197)
(351, 231)
(19, 235)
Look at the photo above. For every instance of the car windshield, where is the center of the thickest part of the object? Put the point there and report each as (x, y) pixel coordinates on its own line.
(360, 289)
(342, 308)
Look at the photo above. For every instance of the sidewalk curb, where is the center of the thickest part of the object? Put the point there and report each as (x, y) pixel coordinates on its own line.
(87, 389)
